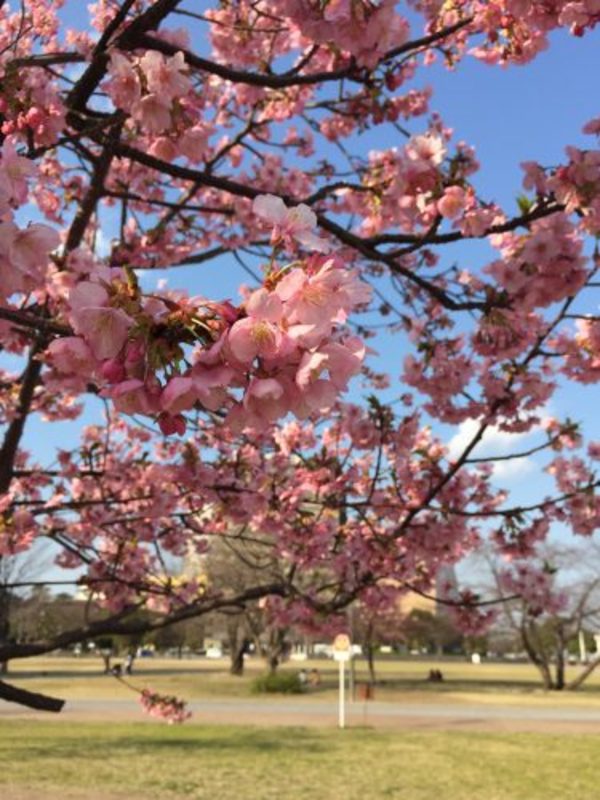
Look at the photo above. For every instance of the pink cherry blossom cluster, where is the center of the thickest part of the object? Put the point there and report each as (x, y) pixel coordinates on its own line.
(363, 29)
(241, 33)
(150, 87)
(536, 588)
(167, 707)
(401, 181)
(515, 31)
(23, 251)
(470, 618)
(300, 510)
(517, 540)
(443, 374)
(505, 333)
(543, 266)
(31, 106)
(284, 349)
(581, 350)
(577, 185)
(290, 225)
(508, 31)
(17, 527)
(575, 479)
(415, 186)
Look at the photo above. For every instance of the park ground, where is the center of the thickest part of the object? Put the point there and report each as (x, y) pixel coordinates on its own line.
(486, 731)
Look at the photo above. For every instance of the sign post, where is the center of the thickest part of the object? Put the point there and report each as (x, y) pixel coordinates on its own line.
(341, 653)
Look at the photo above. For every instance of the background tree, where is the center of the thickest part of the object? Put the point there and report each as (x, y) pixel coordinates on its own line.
(433, 633)
(17, 574)
(558, 601)
(182, 636)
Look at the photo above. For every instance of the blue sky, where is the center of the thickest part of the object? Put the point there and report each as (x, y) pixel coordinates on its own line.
(509, 115)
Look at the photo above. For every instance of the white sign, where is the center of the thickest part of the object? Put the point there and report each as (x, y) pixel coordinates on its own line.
(341, 655)
(342, 651)
(342, 648)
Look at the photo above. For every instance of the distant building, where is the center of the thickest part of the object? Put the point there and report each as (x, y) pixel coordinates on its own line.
(412, 601)
(446, 586)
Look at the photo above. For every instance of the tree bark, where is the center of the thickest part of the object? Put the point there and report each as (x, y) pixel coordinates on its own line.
(4, 625)
(237, 658)
(8, 454)
(559, 683)
(371, 661)
(583, 675)
(275, 649)
(370, 651)
(236, 648)
(537, 659)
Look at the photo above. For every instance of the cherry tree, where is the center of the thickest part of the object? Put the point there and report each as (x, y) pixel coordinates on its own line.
(185, 135)
(554, 605)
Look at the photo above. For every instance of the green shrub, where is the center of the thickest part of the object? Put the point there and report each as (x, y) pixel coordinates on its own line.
(282, 682)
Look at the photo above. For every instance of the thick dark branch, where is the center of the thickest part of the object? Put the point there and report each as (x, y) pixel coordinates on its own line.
(95, 190)
(46, 60)
(24, 319)
(517, 511)
(363, 247)
(426, 41)
(292, 78)
(541, 211)
(15, 430)
(41, 702)
(149, 201)
(264, 80)
(150, 20)
(118, 625)
(186, 173)
(460, 603)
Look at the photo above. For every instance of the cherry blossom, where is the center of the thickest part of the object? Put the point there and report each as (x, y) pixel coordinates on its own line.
(167, 707)
(289, 223)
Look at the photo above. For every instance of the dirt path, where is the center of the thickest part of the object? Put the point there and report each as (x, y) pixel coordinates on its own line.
(18, 793)
(383, 715)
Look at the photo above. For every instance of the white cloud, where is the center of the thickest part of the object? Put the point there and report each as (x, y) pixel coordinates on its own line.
(496, 442)
(493, 442)
(515, 468)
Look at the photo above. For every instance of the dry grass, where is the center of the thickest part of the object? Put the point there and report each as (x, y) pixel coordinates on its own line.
(399, 680)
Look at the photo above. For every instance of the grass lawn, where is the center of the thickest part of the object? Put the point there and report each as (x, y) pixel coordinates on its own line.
(91, 761)
(401, 680)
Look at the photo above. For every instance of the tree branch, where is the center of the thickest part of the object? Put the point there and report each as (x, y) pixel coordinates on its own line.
(40, 702)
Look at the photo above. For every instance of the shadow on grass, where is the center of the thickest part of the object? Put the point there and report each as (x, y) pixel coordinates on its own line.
(448, 685)
(186, 741)
(482, 685)
(99, 673)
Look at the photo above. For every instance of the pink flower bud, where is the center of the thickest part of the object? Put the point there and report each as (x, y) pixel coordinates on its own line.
(170, 424)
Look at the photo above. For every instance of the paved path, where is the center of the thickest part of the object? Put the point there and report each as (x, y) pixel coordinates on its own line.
(310, 711)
